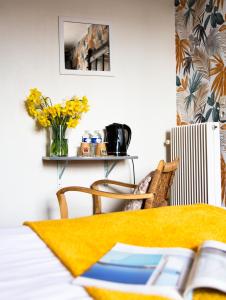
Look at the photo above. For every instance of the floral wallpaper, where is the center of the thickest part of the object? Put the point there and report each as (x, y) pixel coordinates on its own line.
(200, 60)
(201, 66)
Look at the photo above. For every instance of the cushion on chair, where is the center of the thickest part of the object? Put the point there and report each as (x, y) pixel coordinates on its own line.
(141, 188)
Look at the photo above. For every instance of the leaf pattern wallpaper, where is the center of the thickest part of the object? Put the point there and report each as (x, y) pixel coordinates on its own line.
(200, 40)
(200, 60)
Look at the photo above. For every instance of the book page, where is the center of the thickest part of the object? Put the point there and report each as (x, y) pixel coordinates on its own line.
(209, 268)
(145, 270)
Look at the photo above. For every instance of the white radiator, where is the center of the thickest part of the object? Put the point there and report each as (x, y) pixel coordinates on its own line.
(198, 178)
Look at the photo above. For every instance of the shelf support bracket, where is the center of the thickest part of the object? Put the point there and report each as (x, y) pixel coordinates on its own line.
(108, 168)
(61, 167)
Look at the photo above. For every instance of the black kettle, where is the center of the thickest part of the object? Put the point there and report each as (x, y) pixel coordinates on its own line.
(118, 137)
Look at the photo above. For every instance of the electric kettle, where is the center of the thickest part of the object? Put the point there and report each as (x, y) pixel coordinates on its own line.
(118, 137)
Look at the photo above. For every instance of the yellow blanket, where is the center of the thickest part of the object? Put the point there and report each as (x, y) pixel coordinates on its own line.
(79, 243)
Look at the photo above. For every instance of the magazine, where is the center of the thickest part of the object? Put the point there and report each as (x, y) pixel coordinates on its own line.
(169, 272)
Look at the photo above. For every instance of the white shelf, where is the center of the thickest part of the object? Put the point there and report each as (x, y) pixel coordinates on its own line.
(82, 158)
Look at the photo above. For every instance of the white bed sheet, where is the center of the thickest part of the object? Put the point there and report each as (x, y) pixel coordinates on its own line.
(30, 271)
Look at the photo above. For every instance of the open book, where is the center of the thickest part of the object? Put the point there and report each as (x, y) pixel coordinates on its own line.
(170, 272)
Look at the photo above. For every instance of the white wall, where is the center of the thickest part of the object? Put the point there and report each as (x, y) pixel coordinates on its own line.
(142, 95)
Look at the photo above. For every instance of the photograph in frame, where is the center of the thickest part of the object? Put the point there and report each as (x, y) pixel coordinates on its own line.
(84, 47)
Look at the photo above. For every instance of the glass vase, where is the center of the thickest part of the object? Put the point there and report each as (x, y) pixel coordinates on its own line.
(59, 144)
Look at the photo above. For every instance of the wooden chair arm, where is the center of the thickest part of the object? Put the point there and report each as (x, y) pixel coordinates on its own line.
(103, 193)
(97, 199)
(63, 203)
(113, 182)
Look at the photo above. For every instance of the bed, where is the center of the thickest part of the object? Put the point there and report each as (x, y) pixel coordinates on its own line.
(30, 270)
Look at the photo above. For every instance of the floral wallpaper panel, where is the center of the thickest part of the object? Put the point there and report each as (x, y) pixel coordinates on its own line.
(201, 66)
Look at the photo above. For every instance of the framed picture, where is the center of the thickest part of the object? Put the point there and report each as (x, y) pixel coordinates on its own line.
(85, 47)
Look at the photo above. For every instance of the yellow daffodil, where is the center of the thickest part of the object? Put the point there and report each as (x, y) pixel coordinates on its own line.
(43, 120)
(32, 111)
(84, 99)
(51, 112)
(35, 96)
(72, 123)
(57, 107)
(86, 107)
(67, 114)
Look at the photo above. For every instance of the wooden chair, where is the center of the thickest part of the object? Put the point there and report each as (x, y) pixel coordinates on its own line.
(156, 196)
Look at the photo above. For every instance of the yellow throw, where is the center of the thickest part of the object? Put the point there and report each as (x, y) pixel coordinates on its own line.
(79, 243)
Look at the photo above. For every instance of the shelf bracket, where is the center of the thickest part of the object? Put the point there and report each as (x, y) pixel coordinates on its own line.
(109, 164)
(108, 168)
(61, 166)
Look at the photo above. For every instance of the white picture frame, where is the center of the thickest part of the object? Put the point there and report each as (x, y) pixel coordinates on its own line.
(79, 38)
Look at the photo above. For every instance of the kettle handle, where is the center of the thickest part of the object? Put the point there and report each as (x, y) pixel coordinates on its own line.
(127, 128)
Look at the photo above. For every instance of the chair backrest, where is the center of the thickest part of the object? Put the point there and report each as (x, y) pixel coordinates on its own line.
(159, 187)
(161, 183)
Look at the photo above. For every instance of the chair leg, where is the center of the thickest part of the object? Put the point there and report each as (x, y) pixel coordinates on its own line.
(96, 205)
(63, 206)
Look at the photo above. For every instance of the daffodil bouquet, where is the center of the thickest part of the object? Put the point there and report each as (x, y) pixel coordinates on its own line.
(58, 116)
(67, 114)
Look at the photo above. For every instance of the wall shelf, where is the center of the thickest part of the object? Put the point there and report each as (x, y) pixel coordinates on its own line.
(83, 158)
(109, 163)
